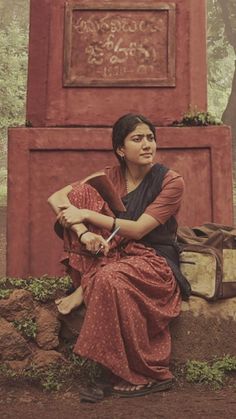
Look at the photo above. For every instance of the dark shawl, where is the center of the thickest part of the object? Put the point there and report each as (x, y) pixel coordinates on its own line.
(162, 238)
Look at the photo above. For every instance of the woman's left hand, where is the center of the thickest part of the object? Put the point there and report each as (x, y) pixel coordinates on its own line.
(70, 215)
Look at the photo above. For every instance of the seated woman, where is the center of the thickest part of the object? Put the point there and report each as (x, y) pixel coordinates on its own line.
(131, 288)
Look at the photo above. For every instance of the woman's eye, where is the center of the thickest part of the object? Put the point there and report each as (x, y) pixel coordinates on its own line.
(137, 139)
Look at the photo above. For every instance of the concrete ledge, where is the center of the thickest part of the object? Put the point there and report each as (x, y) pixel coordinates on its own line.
(204, 330)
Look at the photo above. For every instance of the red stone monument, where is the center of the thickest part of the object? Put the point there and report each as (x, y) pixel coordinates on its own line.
(89, 63)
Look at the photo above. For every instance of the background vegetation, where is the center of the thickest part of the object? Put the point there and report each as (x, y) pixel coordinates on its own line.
(14, 18)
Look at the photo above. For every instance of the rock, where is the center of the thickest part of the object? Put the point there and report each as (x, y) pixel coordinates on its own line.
(204, 330)
(20, 305)
(48, 327)
(12, 345)
(18, 365)
(71, 323)
(41, 358)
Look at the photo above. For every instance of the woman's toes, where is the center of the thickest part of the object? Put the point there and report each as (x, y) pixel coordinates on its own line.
(58, 301)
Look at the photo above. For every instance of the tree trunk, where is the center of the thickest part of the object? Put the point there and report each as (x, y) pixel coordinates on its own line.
(229, 115)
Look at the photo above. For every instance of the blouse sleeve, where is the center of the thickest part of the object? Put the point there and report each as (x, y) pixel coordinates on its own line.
(168, 202)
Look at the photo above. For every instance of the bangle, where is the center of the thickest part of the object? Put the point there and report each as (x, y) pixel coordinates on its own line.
(80, 236)
(113, 224)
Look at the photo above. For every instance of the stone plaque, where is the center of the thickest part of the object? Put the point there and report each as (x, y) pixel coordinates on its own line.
(119, 45)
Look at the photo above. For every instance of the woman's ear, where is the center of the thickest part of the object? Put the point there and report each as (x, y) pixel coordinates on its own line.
(120, 151)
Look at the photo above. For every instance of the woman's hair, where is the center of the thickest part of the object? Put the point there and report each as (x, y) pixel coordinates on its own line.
(124, 126)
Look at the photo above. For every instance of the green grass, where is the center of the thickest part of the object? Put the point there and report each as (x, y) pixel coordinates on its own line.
(211, 373)
(43, 288)
(27, 327)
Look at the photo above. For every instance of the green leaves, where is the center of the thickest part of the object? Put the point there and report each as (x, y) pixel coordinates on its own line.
(203, 372)
(220, 24)
(43, 288)
(27, 327)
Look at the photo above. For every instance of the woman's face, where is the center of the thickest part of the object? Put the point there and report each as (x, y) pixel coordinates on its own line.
(139, 146)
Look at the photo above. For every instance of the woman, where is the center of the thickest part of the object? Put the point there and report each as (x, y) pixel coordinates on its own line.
(130, 291)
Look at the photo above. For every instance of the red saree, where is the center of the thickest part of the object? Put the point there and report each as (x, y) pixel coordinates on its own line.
(131, 296)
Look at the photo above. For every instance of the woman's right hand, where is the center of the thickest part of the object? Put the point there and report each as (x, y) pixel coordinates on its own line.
(93, 242)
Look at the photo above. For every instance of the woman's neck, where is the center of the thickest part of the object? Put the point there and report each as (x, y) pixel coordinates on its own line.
(134, 175)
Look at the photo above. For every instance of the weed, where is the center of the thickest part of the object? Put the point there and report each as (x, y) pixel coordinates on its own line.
(226, 364)
(213, 373)
(42, 288)
(17, 282)
(50, 382)
(5, 371)
(197, 118)
(27, 327)
(5, 293)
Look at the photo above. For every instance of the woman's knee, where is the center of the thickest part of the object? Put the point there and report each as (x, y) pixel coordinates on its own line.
(85, 196)
(107, 277)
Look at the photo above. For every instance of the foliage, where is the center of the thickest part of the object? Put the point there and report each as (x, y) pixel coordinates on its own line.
(53, 377)
(221, 54)
(5, 293)
(213, 373)
(14, 9)
(43, 288)
(196, 118)
(27, 327)
(50, 381)
(13, 74)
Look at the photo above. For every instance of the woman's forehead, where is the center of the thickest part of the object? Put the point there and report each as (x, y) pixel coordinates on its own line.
(141, 129)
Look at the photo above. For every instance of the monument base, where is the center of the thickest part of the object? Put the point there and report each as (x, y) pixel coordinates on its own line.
(43, 160)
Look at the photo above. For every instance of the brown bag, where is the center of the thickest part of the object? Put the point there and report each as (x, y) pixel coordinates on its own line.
(208, 259)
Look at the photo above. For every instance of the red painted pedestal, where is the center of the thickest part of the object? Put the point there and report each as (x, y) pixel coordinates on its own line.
(42, 160)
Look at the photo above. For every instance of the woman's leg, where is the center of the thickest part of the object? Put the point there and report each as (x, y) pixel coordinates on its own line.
(66, 304)
(82, 196)
(129, 306)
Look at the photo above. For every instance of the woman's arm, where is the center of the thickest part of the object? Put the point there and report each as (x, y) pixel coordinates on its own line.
(60, 199)
(92, 241)
(158, 212)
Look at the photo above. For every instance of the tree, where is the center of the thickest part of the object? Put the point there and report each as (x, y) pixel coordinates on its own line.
(13, 78)
(221, 60)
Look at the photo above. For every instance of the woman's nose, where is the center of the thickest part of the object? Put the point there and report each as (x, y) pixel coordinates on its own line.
(145, 143)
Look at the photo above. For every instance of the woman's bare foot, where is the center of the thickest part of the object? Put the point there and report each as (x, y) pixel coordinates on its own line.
(66, 304)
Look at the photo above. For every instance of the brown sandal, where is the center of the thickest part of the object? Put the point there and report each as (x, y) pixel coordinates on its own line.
(154, 387)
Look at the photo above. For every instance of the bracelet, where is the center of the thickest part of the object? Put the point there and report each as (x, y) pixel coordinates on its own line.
(113, 224)
(80, 236)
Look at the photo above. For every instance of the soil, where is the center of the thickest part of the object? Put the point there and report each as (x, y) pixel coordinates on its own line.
(20, 399)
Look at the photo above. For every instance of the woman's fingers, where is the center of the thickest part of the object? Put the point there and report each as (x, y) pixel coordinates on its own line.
(95, 243)
(104, 247)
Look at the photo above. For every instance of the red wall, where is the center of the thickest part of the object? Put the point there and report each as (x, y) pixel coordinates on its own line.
(52, 104)
(42, 160)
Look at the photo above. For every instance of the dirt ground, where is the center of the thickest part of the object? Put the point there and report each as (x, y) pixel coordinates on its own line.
(182, 402)
(20, 400)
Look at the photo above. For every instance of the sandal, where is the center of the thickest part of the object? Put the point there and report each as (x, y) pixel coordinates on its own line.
(94, 392)
(150, 388)
(91, 393)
